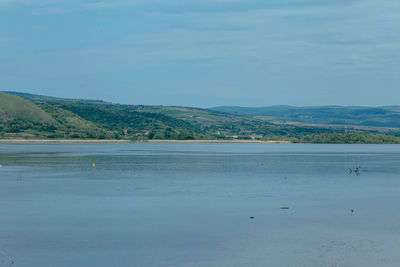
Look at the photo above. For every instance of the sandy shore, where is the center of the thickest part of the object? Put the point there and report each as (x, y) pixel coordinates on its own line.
(219, 141)
(63, 141)
(136, 141)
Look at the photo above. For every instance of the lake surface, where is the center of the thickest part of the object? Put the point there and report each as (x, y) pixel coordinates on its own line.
(190, 205)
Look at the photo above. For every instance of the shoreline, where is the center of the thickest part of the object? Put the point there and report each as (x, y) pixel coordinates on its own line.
(136, 141)
(219, 141)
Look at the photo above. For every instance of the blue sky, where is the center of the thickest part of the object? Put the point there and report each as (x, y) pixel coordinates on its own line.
(204, 53)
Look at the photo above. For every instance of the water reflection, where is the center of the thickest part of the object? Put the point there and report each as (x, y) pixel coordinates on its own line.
(190, 204)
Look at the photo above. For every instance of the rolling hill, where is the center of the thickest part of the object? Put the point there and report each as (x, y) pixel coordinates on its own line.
(25, 115)
(15, 108)
(48, 117)
(388, 117)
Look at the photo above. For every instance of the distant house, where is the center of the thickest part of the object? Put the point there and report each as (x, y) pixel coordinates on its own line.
(146, 132)
(255, 136)
(143, 132)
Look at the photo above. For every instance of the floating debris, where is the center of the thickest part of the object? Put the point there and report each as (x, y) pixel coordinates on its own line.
(284, 208)
(351, 212)
(7, 257)
(251, 217)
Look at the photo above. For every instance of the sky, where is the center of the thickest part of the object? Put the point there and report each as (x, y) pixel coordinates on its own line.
(204, 53)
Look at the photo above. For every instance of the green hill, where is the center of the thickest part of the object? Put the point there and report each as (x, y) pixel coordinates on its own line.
(43, 99)
(50, 117)
(16, 108)
(34, 116)
(120, 121)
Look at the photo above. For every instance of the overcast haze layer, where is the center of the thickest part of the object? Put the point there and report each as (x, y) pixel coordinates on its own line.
(204, 53)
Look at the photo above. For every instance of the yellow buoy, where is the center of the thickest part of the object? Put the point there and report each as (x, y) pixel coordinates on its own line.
(93, 164)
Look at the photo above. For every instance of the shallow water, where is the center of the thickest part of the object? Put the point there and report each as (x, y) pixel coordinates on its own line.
(189, 205)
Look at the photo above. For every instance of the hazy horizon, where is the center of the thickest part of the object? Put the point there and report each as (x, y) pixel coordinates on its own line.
(204, 54)
(210, 107)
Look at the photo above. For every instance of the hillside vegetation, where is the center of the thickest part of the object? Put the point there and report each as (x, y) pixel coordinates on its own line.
(15, 108)
(34, 116)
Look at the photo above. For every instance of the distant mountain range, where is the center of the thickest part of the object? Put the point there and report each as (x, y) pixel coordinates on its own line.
(387, 116)
(24, 115)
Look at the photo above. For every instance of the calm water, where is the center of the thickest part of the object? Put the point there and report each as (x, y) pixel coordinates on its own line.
(189, 205)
